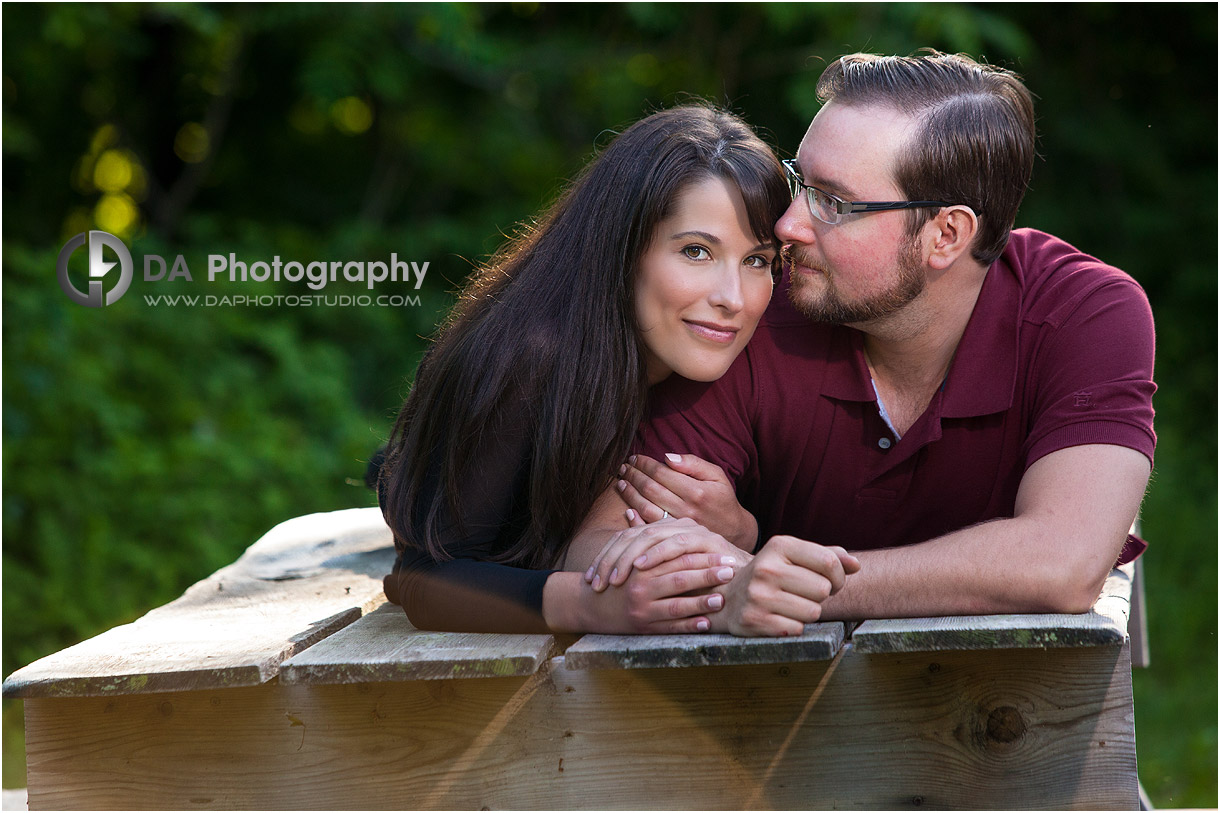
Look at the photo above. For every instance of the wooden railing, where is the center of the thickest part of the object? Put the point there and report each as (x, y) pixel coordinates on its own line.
(284, 682)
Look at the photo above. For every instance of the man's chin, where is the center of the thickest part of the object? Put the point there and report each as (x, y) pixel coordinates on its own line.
(809, 303)
(818, 303)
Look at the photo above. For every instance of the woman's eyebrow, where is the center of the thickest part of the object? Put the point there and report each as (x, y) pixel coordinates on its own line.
(702, 235)
(711, 238)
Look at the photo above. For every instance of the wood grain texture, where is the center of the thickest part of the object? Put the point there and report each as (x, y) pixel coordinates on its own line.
(1105, 624)
(431, 744)
(1005, 729)
(383, 646)
(818, 642)
(301, 582)
(1137, 627)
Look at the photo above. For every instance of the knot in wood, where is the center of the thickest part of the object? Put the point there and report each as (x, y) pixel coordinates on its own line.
(1005, 725)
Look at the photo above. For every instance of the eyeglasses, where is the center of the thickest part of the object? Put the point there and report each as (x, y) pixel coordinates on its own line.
(830, 208)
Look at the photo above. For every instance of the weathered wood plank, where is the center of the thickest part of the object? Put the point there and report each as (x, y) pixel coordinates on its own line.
(383, 646)
(1006, 729)
(817, 643)
(1105, 624)
(302, 581)
(1137, 627)
(1010, 729)
(429, 744)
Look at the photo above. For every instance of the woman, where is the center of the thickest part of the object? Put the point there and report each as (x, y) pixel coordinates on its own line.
(656, 260)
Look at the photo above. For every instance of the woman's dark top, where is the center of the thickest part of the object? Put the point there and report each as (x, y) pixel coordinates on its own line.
(469, 593)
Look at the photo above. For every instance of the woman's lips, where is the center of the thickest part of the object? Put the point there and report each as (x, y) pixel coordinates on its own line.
(722, 334)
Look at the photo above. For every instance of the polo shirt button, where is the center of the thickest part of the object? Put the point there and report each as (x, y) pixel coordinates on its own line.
(885, 443)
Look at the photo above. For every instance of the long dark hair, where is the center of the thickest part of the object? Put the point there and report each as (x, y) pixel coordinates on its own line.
(549, 324)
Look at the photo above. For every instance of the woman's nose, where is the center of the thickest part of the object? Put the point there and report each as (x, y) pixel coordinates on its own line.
(727, 295)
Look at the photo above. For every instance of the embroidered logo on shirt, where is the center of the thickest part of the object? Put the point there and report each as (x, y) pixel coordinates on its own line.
(1082, 399)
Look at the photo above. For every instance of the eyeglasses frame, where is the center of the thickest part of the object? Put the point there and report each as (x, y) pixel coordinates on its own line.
(845, 207)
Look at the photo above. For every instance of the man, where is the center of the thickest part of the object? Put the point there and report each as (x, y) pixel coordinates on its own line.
(967, 410)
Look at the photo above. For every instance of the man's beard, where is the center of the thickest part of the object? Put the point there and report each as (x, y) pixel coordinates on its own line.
(827, 305)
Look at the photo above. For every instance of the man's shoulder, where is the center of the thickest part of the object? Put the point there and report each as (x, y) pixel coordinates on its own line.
(1055, 277)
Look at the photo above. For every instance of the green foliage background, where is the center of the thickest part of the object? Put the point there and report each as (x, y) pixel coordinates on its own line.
(144, 447)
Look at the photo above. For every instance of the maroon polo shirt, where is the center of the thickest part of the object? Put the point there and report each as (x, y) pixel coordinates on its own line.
(1058, 353)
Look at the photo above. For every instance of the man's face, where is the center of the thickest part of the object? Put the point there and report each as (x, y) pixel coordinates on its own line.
(866, 267)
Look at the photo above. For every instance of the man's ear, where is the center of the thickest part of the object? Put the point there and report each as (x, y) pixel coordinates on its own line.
(952, 231)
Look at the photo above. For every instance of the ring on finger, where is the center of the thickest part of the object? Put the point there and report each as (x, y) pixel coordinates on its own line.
(665, 514)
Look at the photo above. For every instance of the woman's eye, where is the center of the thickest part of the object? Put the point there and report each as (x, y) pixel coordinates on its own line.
(758, 261)
(696, 252)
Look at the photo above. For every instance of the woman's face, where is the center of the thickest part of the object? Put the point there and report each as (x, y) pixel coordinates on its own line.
(703, 284)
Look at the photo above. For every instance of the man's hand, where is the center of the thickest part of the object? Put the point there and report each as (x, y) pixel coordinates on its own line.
(687, 486)
(783, 587)
(647, 546)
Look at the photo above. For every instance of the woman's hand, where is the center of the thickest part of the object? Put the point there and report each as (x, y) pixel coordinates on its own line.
(670, 598)
(687, 486)
(643, 547)
(657, 601)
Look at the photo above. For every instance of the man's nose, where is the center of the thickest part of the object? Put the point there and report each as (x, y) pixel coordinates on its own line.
(795, 225)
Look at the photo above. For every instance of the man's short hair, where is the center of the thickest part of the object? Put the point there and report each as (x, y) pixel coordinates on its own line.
(976, 142)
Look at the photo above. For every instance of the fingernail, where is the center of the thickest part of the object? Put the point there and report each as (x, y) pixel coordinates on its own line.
(701, 626)
(613, 575)
(640, 560)
(622, 469)
(724, 573)
(716, 602)
(631, 460)
(674, 458)
(597, 581)
(727, 560)
(622, 484)
(589, 573)
(630, 514)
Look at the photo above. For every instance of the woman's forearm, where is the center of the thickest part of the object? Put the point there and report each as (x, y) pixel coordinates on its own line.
(564, 607)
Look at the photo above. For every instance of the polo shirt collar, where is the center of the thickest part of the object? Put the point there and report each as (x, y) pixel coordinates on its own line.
(983, 377)
(847, 376)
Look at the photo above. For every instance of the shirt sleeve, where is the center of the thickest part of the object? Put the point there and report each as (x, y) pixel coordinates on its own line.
(1095, 373)
(1095, 377)
(469, 593)
(710, 420)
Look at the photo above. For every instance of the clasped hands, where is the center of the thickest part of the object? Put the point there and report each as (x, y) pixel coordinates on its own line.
(676, 570)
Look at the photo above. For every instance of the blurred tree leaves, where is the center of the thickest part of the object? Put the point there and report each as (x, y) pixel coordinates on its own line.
(145, 446)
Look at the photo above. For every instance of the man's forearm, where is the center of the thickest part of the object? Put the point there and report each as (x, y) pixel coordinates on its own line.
(604, 521)
(1070, 521)
(1002, 566)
